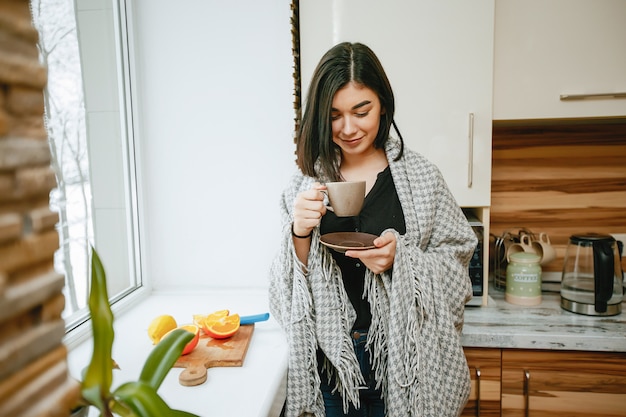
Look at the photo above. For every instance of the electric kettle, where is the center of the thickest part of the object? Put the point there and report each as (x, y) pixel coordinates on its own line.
(592, 276)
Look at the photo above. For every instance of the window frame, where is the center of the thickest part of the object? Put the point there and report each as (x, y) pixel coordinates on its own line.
(119, 38)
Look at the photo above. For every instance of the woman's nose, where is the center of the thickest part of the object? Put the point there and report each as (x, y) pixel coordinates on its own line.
(349, 126)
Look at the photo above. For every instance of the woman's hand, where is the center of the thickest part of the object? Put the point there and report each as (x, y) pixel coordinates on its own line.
(381, 258)
(308, 210)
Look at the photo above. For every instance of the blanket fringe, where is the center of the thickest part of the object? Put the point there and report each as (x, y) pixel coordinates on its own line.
(344, 368)
(377, 335)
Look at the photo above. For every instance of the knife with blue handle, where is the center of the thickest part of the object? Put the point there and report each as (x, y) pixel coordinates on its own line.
(254, 318)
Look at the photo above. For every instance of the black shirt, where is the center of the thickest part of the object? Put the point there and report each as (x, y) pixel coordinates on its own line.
(381, 210)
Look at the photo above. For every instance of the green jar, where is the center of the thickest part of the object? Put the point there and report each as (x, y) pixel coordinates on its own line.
(523, 279)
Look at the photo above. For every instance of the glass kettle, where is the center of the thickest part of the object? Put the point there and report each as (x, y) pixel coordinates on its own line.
(592, 276)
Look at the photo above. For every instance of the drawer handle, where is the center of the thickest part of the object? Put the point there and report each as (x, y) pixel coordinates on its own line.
(526, 392)
(477, 392)
(570, 97)
(470, 164)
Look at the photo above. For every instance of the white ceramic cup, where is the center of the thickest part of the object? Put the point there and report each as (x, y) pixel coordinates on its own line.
(345, 198)
(544, 249)
(524, 245)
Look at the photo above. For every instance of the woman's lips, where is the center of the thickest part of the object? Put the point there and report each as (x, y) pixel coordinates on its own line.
(351, 141)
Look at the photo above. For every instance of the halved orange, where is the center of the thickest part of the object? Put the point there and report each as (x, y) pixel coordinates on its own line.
(192, 328)
(198, 319)
(221, 328)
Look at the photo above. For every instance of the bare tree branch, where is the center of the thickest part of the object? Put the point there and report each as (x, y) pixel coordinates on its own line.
(65, 124)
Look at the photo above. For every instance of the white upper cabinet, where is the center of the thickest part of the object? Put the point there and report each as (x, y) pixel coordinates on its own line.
(545, 49)
(439, 59)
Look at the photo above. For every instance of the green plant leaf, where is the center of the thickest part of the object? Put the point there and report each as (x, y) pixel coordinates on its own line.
(99, 374)
(163, 357)
(120, 409)
(145, 402)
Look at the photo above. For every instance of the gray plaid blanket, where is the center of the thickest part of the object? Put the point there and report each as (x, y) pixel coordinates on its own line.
(417, 315)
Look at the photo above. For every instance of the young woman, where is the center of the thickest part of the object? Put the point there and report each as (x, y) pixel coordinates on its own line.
(371, 332)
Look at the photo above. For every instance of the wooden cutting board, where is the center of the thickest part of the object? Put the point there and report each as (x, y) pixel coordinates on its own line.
(211, 353)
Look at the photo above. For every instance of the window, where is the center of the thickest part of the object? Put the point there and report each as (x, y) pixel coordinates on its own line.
(89, 121)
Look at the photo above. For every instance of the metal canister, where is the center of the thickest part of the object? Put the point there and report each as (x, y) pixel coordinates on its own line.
(523, 279)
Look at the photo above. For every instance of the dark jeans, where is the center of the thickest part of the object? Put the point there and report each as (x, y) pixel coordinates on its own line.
(372, 404)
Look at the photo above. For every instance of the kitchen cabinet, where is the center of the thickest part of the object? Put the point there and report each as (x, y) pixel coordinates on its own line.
(562, 47)
(439, 59)
(484, 365)
(546, 383)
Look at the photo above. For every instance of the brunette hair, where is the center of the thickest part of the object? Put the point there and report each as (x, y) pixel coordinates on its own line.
(343, 63)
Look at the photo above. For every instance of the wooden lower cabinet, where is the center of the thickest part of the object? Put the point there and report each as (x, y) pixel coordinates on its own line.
(563, 383)
(484, 365)
(546, 383)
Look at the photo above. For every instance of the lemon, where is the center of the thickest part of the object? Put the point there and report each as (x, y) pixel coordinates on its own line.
(159, 326)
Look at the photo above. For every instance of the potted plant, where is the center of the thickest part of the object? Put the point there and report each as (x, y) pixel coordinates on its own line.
(131, 399)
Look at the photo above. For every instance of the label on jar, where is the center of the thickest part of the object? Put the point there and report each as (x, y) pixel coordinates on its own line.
(525, 277)
(523, 284)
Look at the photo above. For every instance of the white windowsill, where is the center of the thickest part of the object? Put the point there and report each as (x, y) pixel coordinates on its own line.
(255, 389)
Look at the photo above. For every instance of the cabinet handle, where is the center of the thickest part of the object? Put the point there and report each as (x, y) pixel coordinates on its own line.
(570, 97)
(470, 165)
(526, 392)
(477, 392)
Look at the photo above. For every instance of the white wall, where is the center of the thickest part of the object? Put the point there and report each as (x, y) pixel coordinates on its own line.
(216, 138)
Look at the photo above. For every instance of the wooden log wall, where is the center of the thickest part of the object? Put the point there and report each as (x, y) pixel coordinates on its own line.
(34, 374)
(560, 177)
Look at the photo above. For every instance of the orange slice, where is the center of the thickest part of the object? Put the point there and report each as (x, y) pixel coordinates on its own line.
(198, 319)
(192, 328)
(221, 328)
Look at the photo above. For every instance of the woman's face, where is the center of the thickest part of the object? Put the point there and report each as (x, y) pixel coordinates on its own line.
(355, 117)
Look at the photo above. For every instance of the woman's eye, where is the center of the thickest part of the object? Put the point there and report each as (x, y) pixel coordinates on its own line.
(334, 117)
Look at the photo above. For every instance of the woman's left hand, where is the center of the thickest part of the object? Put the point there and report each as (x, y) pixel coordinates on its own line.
(379, 259)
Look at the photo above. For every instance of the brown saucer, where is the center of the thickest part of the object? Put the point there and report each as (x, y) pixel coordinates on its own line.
(343, 241)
